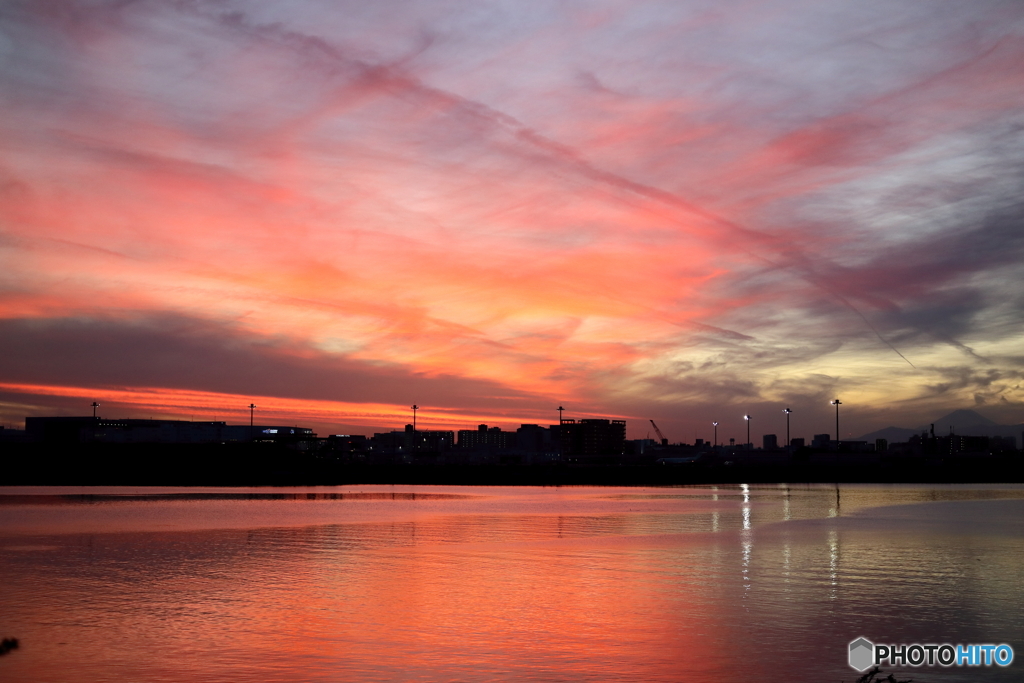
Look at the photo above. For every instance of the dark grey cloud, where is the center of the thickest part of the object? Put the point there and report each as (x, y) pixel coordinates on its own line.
(176, 352)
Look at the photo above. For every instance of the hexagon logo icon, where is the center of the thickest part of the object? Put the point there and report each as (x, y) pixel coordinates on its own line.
(862, 653)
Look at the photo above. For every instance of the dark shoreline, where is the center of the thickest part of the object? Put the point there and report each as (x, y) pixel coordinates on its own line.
(247, 465)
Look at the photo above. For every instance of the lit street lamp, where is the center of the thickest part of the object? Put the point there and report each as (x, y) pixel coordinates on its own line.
(837, 403)
(787, 411)
(747, 418)
(716, 433)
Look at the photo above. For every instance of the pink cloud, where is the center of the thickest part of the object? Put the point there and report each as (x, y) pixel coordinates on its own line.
(571, 206)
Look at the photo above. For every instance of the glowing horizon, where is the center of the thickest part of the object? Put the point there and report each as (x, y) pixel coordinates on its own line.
(685, 211)
(200, 406)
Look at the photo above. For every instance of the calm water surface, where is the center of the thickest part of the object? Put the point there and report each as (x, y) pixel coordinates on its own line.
(419, 583)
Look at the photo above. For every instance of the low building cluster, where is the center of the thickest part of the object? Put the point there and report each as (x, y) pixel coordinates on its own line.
(63, 431)
(589, 440)
(585, 441)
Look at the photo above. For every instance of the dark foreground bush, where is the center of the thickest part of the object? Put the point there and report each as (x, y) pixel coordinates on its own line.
(876, 676)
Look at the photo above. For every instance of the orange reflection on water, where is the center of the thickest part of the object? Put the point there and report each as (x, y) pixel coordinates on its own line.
(478, 584)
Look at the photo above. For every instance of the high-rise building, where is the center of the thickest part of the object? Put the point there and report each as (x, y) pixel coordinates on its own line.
(592, 437)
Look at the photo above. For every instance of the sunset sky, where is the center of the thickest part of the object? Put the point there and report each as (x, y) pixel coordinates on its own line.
(681, 210)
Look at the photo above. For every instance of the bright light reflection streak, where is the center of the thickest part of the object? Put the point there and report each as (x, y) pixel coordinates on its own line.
(746, 506)
(834, 511)
(833, 564)
(787, 553)
(747, 548)
(747, 542)
(714, 515)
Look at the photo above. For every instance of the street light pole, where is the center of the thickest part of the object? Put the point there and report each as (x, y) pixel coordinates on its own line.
(837, 403)
(747, 418)
(787, 411)
(716, 433)
(252, 408)
(560, 409)
(95, 405)
(415, 434)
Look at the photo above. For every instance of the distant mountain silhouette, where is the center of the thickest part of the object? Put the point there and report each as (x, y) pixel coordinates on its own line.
(965, 422)
(967, 418)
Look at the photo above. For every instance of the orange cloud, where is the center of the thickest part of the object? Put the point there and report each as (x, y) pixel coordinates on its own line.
(593, 208)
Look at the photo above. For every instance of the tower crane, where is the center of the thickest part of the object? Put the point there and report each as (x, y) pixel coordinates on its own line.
(664, 441)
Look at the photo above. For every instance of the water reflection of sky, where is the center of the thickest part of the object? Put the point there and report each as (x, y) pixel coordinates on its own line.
(517, 584)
